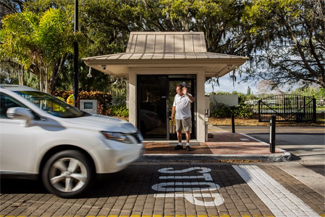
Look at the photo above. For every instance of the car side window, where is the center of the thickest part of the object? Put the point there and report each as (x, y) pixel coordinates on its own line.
(7, 102)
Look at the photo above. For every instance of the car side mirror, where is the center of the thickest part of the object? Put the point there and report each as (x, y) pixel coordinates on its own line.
(19, 113)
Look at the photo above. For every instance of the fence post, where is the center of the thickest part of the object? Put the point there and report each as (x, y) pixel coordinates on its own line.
(272, 134)
(314, 110)
(259, 110)
(233, 123)
(304, 106)
(297, 104)
(284, 106)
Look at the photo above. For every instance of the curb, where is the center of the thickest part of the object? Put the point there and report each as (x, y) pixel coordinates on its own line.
(214, 158)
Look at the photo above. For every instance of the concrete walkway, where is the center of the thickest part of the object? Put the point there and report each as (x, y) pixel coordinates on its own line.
(222, 145)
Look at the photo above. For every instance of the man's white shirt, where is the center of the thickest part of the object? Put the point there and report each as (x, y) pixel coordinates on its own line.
(183, 106)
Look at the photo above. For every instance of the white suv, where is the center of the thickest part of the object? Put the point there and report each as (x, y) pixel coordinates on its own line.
(42, 136)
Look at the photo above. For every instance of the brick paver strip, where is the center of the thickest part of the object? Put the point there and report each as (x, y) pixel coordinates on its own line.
(166, 148)
(284, 203)
(307, 195)
(36, 202)
(220, 144)
(9, 204)
(21, 204)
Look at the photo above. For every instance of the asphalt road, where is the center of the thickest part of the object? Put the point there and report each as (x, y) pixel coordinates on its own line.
(306, 144)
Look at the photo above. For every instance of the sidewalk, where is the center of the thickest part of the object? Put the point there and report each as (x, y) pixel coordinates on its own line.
(222, 145)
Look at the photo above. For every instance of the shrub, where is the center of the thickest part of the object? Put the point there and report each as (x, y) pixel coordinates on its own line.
(221, 110)
(118, 100)
(243, 111)
(118, 110)
(104, 99)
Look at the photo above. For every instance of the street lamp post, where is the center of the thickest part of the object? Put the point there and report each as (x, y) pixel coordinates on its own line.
(75, 58)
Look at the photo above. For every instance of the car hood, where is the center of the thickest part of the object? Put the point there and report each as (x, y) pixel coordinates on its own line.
(103, 123)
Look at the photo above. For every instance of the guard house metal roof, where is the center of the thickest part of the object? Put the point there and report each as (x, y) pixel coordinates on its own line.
(165, 49)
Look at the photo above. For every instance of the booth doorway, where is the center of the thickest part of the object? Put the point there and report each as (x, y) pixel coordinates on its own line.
(155, 102)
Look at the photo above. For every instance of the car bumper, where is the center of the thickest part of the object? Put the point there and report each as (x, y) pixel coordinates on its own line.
(117, 157)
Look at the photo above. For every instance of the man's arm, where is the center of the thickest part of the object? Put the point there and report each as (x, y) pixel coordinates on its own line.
(190, 97)
(173, 112)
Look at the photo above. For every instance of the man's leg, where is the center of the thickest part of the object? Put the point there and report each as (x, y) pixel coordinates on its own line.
(179, 126)
(179, 137)
(187, 128)
(179, 134)
(188, 136)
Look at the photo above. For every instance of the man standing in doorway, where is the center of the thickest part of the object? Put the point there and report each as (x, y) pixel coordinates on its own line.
(182, 106)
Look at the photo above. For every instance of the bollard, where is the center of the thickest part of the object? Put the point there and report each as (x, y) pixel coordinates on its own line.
(206, 125)
(272, 134)
(233, 123)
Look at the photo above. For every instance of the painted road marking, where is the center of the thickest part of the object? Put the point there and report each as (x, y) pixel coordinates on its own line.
(171, 170)
(192, 198)
(205, 176)
(208, 186)
(177, 189)
(277, 198)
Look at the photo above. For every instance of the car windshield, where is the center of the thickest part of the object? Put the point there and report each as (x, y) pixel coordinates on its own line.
(51, 104)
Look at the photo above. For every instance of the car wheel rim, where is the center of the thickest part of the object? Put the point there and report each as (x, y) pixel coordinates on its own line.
(68, 175)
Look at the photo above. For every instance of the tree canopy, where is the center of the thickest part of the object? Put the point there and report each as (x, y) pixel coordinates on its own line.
(37, 42)
(283, 38)
(294, 40)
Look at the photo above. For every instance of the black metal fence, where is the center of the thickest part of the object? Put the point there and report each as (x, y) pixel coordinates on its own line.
(287, 108)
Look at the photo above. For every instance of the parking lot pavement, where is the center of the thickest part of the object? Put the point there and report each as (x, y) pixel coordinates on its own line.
(174, 189)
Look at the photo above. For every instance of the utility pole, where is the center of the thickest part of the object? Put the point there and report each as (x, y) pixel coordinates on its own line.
(75, 58)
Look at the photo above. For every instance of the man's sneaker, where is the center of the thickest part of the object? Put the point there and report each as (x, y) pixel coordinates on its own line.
(178, 147)
(188, 148)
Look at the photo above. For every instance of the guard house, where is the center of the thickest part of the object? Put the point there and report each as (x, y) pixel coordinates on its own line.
(153, 64)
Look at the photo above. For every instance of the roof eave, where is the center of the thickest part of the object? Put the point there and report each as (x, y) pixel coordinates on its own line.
(146, 62)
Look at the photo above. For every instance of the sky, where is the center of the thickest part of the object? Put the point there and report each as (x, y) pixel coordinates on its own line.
(227, 85)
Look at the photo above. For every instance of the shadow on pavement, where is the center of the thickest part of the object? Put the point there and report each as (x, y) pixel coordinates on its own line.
(20, 186)
(136, 180)
(320, 169)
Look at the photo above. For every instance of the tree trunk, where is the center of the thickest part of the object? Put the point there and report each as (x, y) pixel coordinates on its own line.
(46, 80)
(40, 80)
(56, 73)
(43, 81)
(23, 76)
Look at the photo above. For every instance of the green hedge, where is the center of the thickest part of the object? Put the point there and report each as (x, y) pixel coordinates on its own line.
(118, 110)
(104, 99)
(220, 110)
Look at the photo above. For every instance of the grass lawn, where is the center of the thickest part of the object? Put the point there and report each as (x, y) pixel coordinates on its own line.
(254, 122)
(320, 109)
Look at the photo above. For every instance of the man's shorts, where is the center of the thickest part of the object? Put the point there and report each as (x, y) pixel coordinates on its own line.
(185, 124)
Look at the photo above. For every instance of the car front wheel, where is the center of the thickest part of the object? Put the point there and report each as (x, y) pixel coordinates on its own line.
(68, 174)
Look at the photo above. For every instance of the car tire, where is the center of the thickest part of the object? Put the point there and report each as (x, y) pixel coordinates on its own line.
(68, 174)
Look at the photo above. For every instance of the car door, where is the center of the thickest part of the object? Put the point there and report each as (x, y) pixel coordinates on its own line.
(17, 141)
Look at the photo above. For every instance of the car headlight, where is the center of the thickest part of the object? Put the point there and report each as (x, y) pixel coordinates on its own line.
(119, 137)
